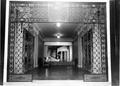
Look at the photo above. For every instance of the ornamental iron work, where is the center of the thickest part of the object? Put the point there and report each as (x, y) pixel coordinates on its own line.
(94, 48)
(11, 46)
(53, 12)
(18, 50)
(96, 67)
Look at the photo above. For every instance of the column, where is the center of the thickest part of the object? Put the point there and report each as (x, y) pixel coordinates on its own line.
(36, 51)
(61, 56)
(96, 64)
(18, 53)
(80, 52)
(65, 55)
(70, 53)
(68, 57)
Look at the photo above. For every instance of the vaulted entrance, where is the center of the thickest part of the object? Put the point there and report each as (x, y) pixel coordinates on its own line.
(69, 33)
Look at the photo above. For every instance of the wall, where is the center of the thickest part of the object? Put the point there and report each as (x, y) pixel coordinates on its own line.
(114, 29)
(2, 36)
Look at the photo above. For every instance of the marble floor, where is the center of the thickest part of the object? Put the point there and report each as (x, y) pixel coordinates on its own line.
(58, 73)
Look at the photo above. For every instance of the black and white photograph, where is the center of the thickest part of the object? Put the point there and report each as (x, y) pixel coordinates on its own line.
(59, 43)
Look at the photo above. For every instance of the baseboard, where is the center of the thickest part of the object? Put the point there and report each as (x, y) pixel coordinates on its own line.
(20, 78)
(95, 78)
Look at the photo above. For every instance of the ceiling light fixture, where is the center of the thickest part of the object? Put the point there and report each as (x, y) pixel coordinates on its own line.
(58, 24)
(58, 37)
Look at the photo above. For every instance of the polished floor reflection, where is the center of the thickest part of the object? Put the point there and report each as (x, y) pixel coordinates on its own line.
(58, 73)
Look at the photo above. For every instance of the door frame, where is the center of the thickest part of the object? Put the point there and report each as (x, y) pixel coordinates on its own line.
(108, 33)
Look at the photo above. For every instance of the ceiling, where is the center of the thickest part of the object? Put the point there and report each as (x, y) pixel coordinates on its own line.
(50, 29)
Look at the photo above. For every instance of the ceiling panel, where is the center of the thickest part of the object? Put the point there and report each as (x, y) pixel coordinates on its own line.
(50, 29)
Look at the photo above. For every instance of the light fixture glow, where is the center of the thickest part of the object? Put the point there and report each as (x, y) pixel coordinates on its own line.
(58, 24)
(58, 37)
